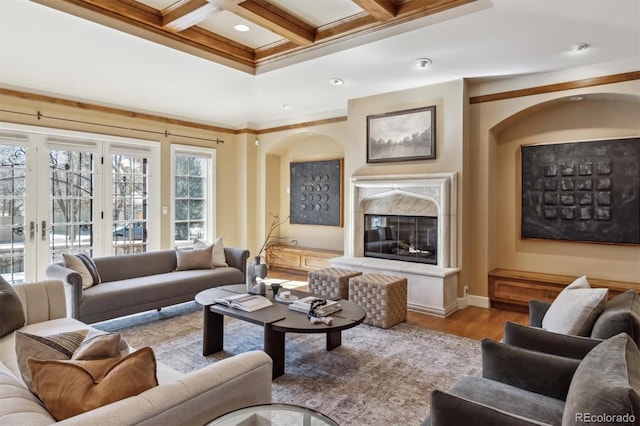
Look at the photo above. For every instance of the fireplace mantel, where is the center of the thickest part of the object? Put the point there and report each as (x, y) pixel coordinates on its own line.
(431, 288)
(436, 188)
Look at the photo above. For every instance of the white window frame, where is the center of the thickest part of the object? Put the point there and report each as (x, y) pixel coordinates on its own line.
(44, 138)
(210, 218)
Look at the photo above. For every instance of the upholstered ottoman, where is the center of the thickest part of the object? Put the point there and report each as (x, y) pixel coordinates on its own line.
(383, 297)
(331, 282)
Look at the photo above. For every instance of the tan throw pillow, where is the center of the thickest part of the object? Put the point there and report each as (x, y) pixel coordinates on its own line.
(69, 388)
(575, 309)
(218, 258)
(194, 259)
(11, 313)
(83, 265)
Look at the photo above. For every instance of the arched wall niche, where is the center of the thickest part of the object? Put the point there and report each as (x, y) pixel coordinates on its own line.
(298, 147)
(594, 116)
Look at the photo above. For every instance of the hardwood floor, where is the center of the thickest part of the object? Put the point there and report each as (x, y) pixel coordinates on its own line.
(472, 322)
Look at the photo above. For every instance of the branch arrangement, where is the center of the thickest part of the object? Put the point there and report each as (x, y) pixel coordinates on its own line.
(273, 240)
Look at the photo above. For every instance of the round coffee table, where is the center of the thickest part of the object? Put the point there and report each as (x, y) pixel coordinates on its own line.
(277, 320)
(275, 415)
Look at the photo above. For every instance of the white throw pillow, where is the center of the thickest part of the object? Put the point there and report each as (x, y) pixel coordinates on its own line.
(575, 309)
(218, 257)
(84, 266)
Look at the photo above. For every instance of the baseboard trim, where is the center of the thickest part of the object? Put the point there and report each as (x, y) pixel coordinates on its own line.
(471, 300)
(434, 311)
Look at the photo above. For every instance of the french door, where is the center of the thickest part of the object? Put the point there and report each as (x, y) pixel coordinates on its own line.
(72, 195)
(14, 231)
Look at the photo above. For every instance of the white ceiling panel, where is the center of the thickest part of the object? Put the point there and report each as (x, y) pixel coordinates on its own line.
(319, 12)
(222, 23)
(157, 4)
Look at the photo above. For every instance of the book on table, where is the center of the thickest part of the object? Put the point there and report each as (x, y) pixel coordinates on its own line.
(245, 302)
(304, 304)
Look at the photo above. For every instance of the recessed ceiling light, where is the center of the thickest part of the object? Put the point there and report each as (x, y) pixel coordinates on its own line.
(241, 27)
(580, 47)
(422, 62)
(336, 81)
(576, 98)
(286, 106)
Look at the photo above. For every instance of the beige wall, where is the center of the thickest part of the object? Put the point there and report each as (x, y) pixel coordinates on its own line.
(449, 99)
(480, 142)
(498, 130)
(275, 152)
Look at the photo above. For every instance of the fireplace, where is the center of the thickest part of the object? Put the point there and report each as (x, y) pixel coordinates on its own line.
(393, 206)
(396, 237)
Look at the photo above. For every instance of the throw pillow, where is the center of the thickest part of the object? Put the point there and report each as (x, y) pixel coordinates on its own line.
(575, 309)
(620, 315)
(100, 345)
(56, 347)
(194, 259)
(11, 314)
(78, 344)
(83, 265)
(606, 382)
(218, 257)
(69, 388)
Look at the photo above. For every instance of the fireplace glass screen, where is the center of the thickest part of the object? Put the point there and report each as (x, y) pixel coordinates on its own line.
(408, 238)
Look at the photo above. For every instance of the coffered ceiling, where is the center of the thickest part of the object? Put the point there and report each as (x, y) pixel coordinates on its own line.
(251, 34)
(132, 56)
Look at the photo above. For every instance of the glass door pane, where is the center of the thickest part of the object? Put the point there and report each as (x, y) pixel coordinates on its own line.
(13, 227)
(130, 203)
(71, 206)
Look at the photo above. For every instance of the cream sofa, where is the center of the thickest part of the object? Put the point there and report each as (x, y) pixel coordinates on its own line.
(180, 399)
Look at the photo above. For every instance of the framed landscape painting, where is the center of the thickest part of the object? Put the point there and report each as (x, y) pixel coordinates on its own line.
(402, 135)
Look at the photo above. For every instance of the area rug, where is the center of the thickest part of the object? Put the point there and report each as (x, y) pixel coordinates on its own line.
(377, 377)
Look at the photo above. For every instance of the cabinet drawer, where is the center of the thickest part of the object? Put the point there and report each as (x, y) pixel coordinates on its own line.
(313, 262)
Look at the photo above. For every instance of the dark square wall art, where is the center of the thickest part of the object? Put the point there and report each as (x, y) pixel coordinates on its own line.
(316, 193)
(582, 191)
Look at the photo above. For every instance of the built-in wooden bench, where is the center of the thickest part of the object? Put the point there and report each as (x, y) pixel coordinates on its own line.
(511, 289)
(299, 259)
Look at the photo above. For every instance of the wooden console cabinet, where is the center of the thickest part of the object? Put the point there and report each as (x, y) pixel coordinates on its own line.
(510, 289)
(299, 259)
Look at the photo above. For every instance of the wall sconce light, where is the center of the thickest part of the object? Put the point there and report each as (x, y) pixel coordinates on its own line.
(257, 142)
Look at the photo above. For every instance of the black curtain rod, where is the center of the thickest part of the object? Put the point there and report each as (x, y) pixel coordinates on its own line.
(166, 133)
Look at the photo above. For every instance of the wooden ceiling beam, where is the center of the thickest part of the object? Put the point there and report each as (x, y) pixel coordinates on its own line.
(271, 18)
(140, 20)
(187, 13)
(166, 26)
(382, 10)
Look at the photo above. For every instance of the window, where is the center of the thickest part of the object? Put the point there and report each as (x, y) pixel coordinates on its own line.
(193, 190)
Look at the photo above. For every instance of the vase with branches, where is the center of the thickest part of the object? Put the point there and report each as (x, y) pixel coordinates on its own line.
(275, 240)
(257, 269)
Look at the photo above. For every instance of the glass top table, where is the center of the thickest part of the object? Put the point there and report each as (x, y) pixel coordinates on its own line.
(274, 415)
